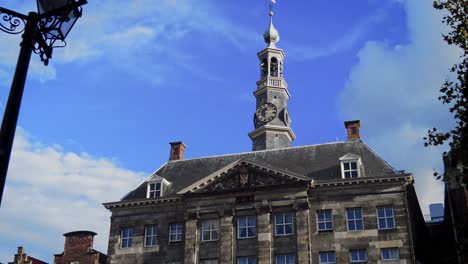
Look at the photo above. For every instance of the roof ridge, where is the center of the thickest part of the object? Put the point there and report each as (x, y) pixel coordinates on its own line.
(379, 157)
(255, 152)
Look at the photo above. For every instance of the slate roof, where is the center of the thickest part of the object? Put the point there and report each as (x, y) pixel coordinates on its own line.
(318, 162)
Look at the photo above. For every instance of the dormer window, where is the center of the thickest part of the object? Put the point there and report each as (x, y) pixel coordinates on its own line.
(154, 190)
(157, 187)
(350, 166)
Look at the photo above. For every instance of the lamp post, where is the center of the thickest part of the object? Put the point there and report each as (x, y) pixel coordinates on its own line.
(42, 31)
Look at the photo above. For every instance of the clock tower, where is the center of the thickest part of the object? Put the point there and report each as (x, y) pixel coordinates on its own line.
(271, 119)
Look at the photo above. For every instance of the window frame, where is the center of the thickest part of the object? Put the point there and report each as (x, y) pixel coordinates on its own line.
(177, 233)
(324, 221)
(149, 192)
(246, 227)
(354, 219)
(153, 237)
(391, 259)
(385, 218)
(350, 170)
(359, 260)
(128, 238)
(285, 256)
(349, 158)
(284, 224)
(241, 260)
(215, 223)
(326, 252)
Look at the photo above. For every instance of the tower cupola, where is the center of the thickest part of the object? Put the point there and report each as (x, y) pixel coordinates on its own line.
(271, 35)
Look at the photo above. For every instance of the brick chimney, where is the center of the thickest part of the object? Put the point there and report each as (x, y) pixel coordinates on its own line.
(352, 128)
(78, 242)
(177, 150)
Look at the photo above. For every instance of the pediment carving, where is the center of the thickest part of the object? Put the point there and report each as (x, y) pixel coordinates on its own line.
(245, 176)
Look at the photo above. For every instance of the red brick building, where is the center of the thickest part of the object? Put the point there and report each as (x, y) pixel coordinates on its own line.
(79, 249)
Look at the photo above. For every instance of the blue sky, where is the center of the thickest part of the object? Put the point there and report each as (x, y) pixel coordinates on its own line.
(139, 74)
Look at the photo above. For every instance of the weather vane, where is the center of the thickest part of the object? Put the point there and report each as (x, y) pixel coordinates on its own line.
(271, 6)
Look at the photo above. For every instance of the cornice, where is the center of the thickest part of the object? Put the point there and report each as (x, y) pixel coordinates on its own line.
(406, 178)
(279, 129)
(142, 202)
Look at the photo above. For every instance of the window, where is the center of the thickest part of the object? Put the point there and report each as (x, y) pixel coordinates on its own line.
(354, 219)
(246, 260)
(151, 236)
(175, 232)
(327, 257)
(350, 169)
(210, 230)
(284, 224)
(385, 218)
(246, 227)
(75, 262)
(358, 256)
(285, 259)
(350, 166)
(154, 190)
(325, 220)
(127, 237)
(390, 254)
(209, 261)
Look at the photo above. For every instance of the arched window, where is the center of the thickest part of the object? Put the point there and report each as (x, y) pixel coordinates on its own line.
(264, 68)
(274, 67)
(281, 69)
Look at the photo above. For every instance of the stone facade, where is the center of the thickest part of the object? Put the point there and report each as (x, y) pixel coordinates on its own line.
(302, 199)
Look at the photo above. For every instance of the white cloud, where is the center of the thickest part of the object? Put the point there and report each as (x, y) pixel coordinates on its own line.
(394, 89)
(50, 192)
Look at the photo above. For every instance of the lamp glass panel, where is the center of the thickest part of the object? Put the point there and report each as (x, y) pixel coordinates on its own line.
(67, 25)
(44, 6)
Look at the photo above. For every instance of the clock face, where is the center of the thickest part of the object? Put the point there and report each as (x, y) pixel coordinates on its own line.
(266, 112)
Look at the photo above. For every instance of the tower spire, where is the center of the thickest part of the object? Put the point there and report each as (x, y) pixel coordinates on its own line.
(271, 119)
(271, 35)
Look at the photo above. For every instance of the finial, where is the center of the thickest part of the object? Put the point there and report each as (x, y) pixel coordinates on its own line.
(271, 35)
(271, 7)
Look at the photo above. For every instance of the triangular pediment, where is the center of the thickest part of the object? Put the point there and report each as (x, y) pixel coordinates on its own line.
(243, 174)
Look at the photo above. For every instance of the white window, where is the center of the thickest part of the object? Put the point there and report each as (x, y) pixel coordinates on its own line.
(350, 169)
(285, 259)
(246, 260)
(390, 254)
(385, 218)
(151, 236)
(246, 227)
(210, 230)
(358, 256)
(354, 219)
(209, 261)
(75, 262)
(284, 224)
(324, 220)
(350, 166)
(328, 257)
(154, 190)
(126, 237)
(175, 232)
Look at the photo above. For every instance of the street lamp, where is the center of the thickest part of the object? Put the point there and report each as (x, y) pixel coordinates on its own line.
(43, 31)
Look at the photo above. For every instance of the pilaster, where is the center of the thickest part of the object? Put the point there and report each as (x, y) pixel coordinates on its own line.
(303, 245)
(191, 241)
(227, 236)
(264, 237)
